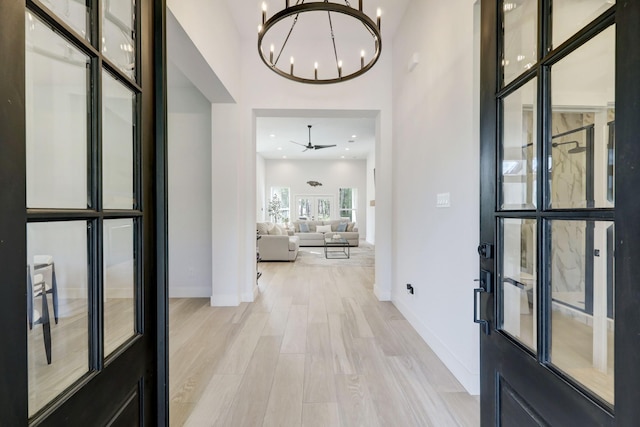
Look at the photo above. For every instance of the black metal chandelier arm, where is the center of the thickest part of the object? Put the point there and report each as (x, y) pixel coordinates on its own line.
(333, 40)
(295, 20)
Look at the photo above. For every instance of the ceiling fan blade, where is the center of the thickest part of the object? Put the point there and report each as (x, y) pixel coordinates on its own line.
(298, 143)
(317, 147)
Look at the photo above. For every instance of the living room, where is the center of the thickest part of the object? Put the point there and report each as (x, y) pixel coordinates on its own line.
(330, 183)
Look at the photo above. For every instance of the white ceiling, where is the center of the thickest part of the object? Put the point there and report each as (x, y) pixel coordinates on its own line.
(328, 127)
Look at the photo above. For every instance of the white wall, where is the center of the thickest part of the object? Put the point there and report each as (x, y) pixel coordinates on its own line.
(211, 28)
(371, 197)
(189, 145)
(435, 151)
(261, 189)
(229, 210)
(333, 174)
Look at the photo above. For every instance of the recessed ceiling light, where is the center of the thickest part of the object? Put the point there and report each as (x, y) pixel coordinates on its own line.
(347, 149)
(284, 157)
(273, 135)
(342, 157)
(279, 148)
(354, 136)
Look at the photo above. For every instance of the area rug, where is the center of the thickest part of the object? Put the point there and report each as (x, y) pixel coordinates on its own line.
(361, 256)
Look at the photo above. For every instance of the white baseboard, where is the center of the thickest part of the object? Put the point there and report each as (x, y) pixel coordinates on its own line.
(189, 292)
(469, 380)
(225, 300)
(381, 295)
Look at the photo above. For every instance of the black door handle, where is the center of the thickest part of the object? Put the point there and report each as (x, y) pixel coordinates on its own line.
(476, 302)
(485, 287)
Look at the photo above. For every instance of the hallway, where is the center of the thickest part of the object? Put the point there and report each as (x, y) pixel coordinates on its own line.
(315, 349)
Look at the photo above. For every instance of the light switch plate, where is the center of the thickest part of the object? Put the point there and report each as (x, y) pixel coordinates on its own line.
(444, 200)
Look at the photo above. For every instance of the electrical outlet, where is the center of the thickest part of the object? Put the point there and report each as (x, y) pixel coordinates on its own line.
(409, 289)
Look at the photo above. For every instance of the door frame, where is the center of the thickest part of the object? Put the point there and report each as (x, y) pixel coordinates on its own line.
(91, 397)
(627, 248)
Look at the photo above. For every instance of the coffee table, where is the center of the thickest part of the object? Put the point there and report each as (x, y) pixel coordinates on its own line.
(338, 248)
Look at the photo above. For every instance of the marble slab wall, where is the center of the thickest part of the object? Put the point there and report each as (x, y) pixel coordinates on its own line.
(568, 190)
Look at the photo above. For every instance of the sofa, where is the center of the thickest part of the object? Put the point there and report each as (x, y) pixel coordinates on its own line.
(315, 236)
(275, 244)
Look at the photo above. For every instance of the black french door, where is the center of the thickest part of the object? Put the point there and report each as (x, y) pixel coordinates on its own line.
(83, 208)
(560, 255)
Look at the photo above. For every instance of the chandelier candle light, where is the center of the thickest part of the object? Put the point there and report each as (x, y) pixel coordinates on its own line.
(272, 58)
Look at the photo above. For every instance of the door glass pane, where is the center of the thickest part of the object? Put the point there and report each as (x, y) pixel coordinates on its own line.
(118, 34)
(74, 13)
(304, 207)
(569, 16)
(519, 278)
(583, 103)
(582, 317)
(57, 308)
(56, 119)
(520, 34)
(519, 163)
(119, 283)
(118, 109)
(348, 200)
(324, 209)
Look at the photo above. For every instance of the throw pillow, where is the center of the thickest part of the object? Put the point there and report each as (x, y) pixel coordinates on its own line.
(342, 227)
(275, 231)
(323, 228)
(304, 227)
(263, 228)
(351, 226)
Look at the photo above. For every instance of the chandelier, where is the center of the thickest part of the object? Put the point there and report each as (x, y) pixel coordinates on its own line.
(355, 63)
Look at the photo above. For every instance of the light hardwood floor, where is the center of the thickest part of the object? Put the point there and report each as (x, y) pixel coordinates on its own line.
(315, 349)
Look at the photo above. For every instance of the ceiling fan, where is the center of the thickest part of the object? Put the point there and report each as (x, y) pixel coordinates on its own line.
(311, 146)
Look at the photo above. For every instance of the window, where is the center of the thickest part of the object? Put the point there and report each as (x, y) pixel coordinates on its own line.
(348, 203)
(279, 204)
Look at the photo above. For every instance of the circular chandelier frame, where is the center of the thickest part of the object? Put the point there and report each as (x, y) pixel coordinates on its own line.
(324, 6)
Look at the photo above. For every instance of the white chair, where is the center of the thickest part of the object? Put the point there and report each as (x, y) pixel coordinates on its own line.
(36, 288)
(44, 265)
